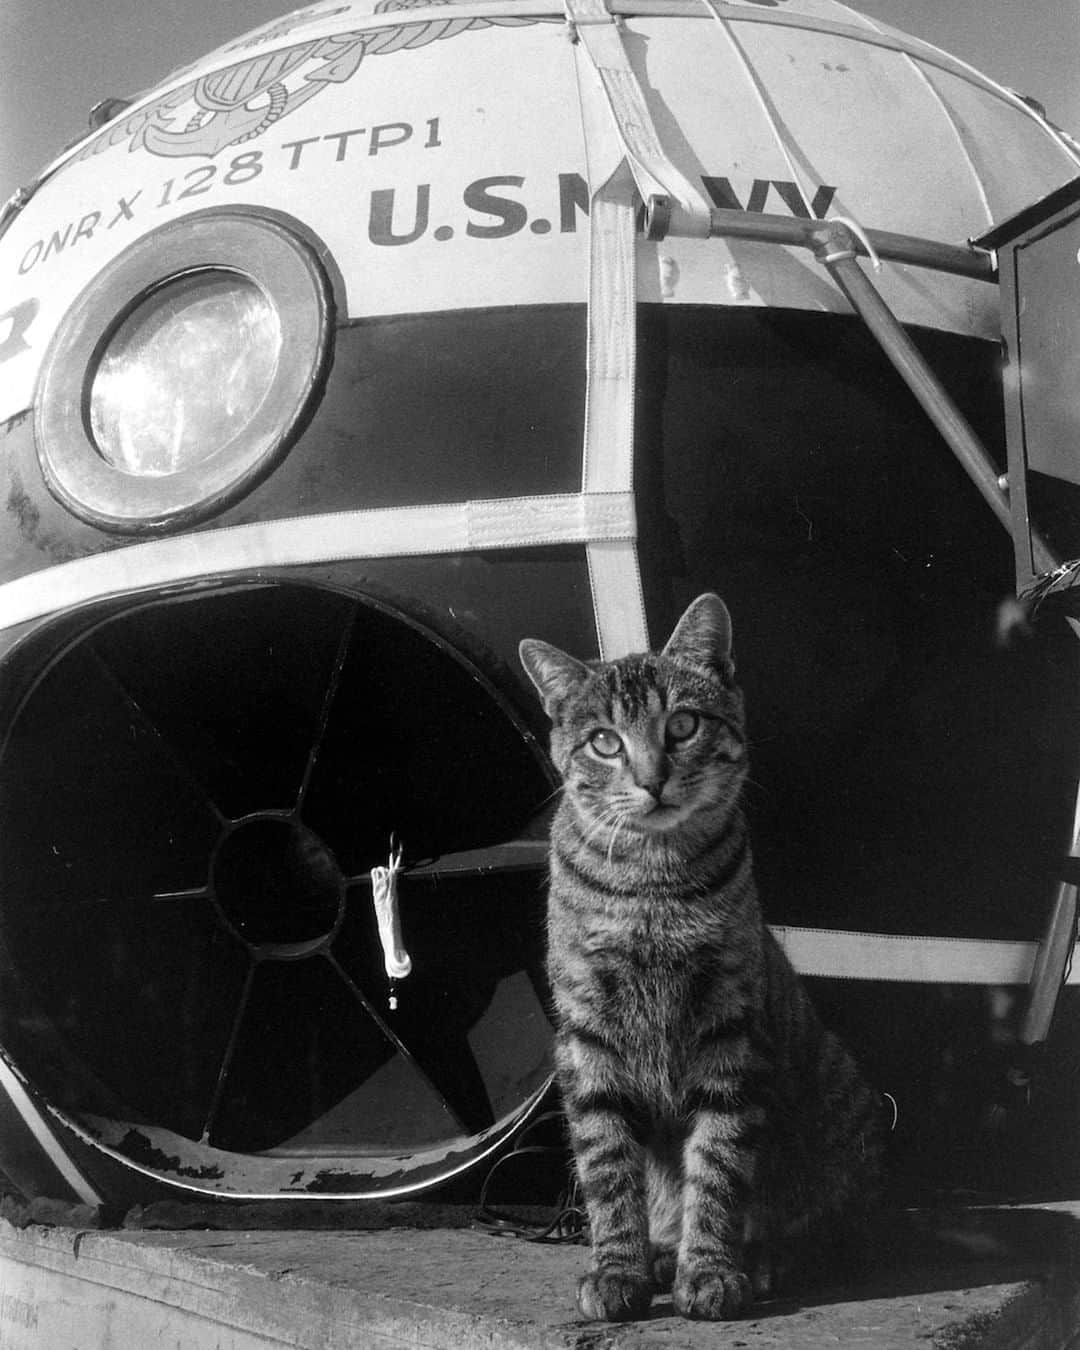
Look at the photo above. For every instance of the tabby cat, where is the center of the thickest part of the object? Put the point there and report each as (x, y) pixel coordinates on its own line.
(716, 1126)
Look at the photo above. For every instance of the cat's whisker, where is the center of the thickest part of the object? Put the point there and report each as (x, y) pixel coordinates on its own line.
(607, 815)
(761, 788)
(555, 792)
(619, 823)
(602, 818)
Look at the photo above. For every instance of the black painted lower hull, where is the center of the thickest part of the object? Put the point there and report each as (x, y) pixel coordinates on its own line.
(914, 773)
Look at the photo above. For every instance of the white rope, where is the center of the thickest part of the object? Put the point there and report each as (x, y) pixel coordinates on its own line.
(761, 95)
(860, 234)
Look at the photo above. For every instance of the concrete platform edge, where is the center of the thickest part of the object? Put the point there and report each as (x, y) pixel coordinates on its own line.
(65, 1289)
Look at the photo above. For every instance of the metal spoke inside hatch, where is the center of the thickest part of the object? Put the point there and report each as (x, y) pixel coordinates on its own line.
(394, 1039)
(332, 686)
(177, 761)
(227, 1057)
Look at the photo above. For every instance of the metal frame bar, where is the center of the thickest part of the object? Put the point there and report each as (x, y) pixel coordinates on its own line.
(837, 246)
(761, 227)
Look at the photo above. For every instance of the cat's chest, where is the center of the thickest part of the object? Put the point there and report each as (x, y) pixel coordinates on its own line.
(640, 986)
(642, 1004)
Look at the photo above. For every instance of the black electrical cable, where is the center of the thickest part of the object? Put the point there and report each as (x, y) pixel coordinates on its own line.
(565, 1220)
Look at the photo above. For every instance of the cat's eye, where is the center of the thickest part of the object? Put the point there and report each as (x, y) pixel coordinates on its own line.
(606, 743)
(681, 725)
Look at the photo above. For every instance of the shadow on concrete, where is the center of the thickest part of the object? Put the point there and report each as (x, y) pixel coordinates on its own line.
(933, 1251)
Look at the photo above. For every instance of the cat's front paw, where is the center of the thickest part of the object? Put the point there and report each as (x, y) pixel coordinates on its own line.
(613, 1296)
(711, 1295)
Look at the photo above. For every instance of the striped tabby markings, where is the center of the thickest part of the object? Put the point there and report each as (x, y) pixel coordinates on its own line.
(712, 1119)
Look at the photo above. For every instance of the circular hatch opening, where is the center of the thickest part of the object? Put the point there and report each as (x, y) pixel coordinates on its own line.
(195, 791)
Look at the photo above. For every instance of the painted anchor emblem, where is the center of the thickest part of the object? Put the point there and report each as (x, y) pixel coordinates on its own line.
(240, 102)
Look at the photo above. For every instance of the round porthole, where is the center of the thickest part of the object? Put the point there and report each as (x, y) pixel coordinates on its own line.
(181, 375)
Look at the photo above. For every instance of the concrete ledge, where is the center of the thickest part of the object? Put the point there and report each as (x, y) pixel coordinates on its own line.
(1005, 1279)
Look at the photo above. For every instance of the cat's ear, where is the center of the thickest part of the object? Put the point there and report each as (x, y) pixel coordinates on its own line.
(702, 637)
(554, 673)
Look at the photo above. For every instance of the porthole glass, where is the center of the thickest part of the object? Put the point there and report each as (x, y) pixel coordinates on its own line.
(184, 373)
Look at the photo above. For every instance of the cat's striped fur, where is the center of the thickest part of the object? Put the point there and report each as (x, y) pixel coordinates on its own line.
(715, 1124)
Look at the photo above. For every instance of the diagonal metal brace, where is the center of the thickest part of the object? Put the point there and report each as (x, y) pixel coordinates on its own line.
(835, 247)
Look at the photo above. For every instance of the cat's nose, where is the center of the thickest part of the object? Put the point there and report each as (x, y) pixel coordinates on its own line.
(651, 772)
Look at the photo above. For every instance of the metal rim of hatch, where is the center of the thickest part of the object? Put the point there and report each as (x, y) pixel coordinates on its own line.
(350, 624)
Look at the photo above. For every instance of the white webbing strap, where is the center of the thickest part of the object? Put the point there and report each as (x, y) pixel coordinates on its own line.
(608, 452)
(627, 158)
(905, 959)
(382, 532)
(600, 34)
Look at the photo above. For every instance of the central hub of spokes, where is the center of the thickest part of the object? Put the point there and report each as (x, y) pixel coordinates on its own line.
(278, 886)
